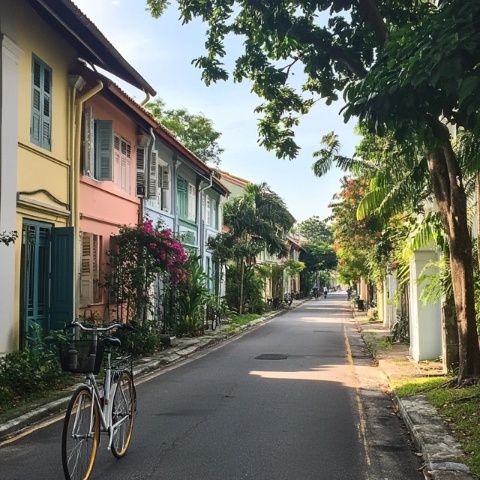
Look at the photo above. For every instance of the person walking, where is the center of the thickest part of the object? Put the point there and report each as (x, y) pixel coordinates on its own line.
(325, 291)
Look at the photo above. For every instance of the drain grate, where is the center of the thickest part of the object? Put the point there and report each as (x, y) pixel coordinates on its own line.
(272, 356)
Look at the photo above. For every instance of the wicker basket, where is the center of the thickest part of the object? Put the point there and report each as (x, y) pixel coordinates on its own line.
(81, 356)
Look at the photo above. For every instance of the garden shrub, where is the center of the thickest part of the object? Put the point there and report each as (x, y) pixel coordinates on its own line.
(144, 339)
(29, 373)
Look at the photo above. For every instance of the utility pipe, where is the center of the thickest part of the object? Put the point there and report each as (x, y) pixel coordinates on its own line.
(75, 174)
(201, 222)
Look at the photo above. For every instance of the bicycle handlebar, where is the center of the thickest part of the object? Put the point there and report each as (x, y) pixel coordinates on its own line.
(123, 326)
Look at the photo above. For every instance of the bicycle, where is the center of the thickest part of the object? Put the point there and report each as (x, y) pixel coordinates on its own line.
(109, 408)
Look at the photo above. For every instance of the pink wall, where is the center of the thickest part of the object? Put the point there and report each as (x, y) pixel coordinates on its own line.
(104, 207)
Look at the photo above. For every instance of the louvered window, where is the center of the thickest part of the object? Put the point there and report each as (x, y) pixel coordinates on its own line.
(191, 202)
(164, 187)
(90, 269)
(182, 198)
(41, 115)
(140, 172)
(98, 147)
(122, 152)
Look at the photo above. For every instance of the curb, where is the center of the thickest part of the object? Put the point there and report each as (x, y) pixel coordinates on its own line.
(440, 451)
(24, 422)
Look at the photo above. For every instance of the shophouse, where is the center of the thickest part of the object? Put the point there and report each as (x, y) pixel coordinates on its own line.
(42, 98)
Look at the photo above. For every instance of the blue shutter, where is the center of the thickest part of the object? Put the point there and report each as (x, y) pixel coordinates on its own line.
(36, 120)
(46, 108)
(61, 289)
(41, 121)
(103, 149)
(182, 197)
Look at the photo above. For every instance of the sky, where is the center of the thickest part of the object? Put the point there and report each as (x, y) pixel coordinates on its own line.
(162, 50)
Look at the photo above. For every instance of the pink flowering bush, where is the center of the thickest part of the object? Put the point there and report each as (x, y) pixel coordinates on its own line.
(138, 255)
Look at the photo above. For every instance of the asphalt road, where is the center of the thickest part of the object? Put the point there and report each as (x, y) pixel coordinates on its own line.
(231, 415)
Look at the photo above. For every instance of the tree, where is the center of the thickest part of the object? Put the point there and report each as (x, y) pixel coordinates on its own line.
(401, 65)
(257, 220)
(195, 131)
(315, 230)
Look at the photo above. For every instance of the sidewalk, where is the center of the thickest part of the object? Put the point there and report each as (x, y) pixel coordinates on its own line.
(183, 348)
(441, 453)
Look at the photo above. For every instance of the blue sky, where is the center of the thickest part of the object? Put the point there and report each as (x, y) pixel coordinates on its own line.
(162, 51)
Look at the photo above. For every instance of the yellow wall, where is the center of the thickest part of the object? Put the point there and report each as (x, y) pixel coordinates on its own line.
(39, 168)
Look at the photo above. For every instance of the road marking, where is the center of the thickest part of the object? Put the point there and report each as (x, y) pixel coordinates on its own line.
(362, 424)
(30, 430)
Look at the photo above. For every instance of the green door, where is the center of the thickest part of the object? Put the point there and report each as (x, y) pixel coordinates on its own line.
(47, 279)
(35, 279)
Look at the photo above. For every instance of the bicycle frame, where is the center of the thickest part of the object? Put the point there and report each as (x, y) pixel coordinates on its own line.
(105, 410)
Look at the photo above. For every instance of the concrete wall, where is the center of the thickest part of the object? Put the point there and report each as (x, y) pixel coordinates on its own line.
(425, 320)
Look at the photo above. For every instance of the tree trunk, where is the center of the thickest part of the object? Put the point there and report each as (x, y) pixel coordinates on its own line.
(450, 335)
(242, 274)
(477, 191)
(446, 180)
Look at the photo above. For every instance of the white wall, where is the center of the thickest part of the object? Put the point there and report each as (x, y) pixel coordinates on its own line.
(425, 320)
(8, 184)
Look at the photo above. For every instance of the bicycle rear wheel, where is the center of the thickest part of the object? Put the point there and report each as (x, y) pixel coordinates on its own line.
(81, 435)
(123, 411)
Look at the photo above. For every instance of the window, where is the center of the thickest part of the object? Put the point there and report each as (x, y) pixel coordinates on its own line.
(41, 120)
(90, 269)
(182, 205)
(122, 154)
(98, 147)
(207, 210)
(164, 187)
(191, 202)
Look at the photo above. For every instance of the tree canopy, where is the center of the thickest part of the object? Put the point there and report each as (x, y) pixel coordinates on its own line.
(402, 66)
(195, 131)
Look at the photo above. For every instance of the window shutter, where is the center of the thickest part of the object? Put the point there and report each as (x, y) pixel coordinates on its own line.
(104, 147)
(86, 270)
(88, 142)
(140, 172)
(152, 177)
(95, 269)
(208, 215)
(165, 178)
(191, 202)
(181, 197)
(61, 279)
(213, 210)
(36, 102)
(46, 107)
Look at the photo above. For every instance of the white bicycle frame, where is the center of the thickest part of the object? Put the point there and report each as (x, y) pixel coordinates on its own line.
(106, 411)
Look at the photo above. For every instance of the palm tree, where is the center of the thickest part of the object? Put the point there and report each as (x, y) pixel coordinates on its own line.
(257, 220)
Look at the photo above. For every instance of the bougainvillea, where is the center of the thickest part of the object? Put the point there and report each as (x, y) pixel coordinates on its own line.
(138, 256)
(167, 251)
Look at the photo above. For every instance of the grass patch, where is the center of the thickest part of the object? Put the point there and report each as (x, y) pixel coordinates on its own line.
(416, 386)
(244, 318)
(459, 407)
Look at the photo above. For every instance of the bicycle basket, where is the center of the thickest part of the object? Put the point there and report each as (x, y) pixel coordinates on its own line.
(81, 356)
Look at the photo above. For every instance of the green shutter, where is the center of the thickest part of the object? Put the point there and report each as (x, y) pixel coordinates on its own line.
(182, 197)
(36, 120)
(61, 283)
(41, 121)
(46, 108)
(104, 149)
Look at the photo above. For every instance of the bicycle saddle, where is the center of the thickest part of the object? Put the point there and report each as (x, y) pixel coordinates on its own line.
(112, 342)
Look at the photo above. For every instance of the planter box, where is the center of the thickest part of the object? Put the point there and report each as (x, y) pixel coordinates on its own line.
(167, 340)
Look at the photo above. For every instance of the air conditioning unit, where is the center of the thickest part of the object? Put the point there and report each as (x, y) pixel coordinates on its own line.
(140, 190)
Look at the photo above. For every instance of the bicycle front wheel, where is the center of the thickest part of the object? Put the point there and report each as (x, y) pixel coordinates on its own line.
(123, 411)
(81, 435)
